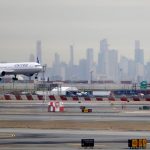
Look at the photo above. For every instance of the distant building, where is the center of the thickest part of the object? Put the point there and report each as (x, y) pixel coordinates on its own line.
(123, 68)
(139, 60)
(89, 57)
(113, 65)
(103, 59)
(39, 57)
(131, 70)
(71, 70)
(147, 72)
(63, 71)
(39, 51)
(83, 69)
(71, 56)
(139, 53)
(139, 72)
(103, 45)
(57, 67)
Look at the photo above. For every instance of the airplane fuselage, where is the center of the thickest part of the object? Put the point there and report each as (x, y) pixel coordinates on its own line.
(23, 68)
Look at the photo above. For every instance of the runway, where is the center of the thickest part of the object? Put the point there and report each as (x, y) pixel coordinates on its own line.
(78, 117)
(70, 138)
(66, 139)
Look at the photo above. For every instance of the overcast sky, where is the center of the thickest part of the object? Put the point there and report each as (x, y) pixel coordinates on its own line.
(60, 23)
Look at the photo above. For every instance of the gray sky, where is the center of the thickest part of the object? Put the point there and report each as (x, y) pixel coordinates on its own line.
(59, 23)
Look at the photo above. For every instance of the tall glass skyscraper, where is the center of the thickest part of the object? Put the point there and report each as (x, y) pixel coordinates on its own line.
(39, 51)
(139, 53)
(89, 57)
(139, 60)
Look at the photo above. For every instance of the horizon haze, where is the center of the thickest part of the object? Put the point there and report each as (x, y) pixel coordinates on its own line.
(83, 23)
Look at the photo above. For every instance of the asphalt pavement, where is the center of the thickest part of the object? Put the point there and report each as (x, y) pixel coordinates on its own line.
(66, 139)
(24, 139)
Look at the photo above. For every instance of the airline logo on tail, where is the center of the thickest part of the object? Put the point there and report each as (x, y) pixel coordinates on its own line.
(37, 60)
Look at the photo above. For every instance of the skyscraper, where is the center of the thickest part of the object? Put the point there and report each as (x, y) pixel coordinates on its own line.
(103, 60)
(139, 53)
(57, 64)
(123, 68)
(103, 45)
(147, 71)
(83, 69)
(113, 65)
(71, 56)
(139, 60)
(39, 51)
(89, 57)
(71, 63)
(56, 68)
(131, 70)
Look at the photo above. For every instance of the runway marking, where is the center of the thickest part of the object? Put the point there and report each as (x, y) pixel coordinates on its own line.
(96, 146)
(140, 111)
(4, 135)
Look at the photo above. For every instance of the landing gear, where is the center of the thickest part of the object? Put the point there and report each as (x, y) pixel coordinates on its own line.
(15, 78)
(36, 76)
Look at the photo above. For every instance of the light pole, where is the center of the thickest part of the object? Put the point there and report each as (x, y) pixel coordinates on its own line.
(44, 85)
(121, 74)
(91, 73)
(43, 71)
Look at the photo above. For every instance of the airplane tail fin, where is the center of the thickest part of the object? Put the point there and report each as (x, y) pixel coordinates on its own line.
(37, 60)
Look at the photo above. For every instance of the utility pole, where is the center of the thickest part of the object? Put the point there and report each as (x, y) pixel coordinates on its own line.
(44, 84)
(91, 72)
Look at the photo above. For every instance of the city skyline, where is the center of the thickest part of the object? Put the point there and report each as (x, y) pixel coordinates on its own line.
(82, 23)
(107, 67)
(71, 50)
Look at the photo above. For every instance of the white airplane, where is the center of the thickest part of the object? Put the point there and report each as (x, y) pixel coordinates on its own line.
(23, 68)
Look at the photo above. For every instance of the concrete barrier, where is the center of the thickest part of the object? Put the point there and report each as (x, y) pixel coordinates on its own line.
(64, 98)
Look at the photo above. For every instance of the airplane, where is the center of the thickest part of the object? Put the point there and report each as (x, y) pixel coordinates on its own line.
(22, 68)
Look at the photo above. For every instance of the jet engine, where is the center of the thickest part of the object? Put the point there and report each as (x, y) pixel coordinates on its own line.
(2, 73)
